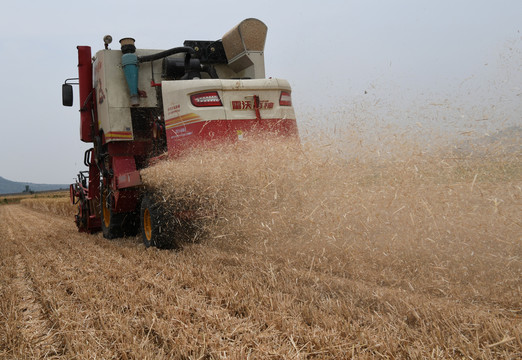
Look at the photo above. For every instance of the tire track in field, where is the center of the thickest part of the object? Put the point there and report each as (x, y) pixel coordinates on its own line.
(90, 276)
(68, 268)
(81, 265)
(42, 240)
(37, 330)
(33, 324)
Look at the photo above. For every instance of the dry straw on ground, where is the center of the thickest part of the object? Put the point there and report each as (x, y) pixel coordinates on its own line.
(314, 251)
(440, 224)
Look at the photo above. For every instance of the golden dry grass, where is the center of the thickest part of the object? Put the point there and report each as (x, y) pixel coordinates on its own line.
(304, 252)
(58, 204)
(17, 198)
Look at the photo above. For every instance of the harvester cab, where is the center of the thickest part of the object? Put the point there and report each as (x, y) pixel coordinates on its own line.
(140, 106)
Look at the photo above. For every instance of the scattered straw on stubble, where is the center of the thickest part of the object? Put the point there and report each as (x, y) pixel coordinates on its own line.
(385, 249)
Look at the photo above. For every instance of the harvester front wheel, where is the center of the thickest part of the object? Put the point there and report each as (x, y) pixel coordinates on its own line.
(151, 222)
(111, 222)
(155, 228)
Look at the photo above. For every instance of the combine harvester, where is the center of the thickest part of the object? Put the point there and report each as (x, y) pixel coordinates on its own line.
(139, 107)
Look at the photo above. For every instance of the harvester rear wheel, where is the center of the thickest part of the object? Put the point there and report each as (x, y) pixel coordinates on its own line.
(111, 222)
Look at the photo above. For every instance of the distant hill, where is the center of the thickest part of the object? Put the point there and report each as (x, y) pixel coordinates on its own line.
(506, 141)
(13, 187)
(510, 136)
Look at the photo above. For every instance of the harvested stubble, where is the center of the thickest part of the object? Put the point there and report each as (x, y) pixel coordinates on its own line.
(302, 253)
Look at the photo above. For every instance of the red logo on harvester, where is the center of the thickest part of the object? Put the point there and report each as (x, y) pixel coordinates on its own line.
(249, 105)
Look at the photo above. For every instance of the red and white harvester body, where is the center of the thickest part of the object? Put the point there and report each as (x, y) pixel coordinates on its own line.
(141, 106)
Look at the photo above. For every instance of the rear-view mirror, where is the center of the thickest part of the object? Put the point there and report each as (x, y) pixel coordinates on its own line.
(67, 95)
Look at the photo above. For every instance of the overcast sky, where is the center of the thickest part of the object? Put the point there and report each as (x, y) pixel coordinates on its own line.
(405, 55)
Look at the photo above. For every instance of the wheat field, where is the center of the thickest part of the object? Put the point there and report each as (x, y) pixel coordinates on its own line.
(320, 250)
(59, 205)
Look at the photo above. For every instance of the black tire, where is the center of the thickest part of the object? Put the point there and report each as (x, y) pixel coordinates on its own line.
(151, 219)
(156, 229)
(111, 222)
(131, 223)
